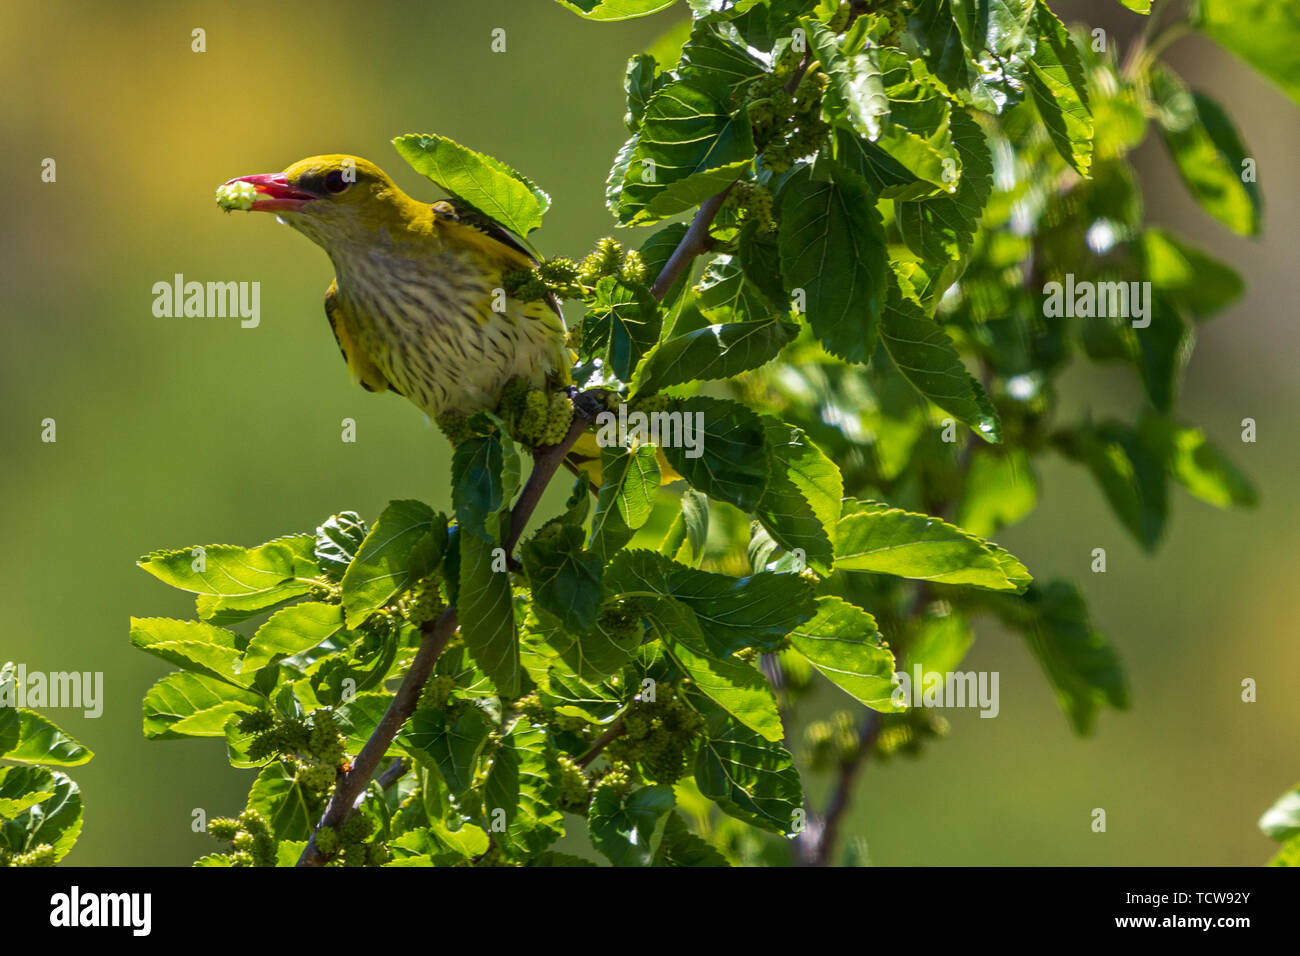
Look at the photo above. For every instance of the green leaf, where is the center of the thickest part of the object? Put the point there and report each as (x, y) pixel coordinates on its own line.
(801, 502)
(1281, 821)
(713, 352)
(54, 820)
(695, 517)
(193, 705)
(261, 576)
(629, 485)
(843, 642)
(1129, 465)
(1059, 87)
(709, 57)
(452, 744)
(481, 487)
(1209, 154)
(1138, 6)
(291, 631)
(738, 688)
(1082, 668)
(289, 808)
(941, 43)
(405, 544)
(681, 847)
(732, 613)
(690, 147)
(1264, 33)
(856, 94)
(592, 655)
(193, 646)
(615, 9)
(919, 137)
(28, 737)
(927, 358)
(999, 489)
(875, 537)
(564, 579)
(943, 227)
(746, 776)
(621, 325)
(1206, 472)
(487, 184)
(523, 781)
(833, 249)
(721, 451)
(338, 539)
(1186, 276)
(627, 828)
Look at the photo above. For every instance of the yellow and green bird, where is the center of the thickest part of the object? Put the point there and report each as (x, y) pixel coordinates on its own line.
(417, 304)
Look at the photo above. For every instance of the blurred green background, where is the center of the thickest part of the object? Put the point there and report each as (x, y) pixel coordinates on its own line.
(174, 432)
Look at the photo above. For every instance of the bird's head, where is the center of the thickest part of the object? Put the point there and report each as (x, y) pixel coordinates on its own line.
(331, 199)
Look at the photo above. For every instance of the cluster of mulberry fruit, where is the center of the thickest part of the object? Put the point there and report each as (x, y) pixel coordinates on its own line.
(312, 744)
(250, 838)
(659, 735)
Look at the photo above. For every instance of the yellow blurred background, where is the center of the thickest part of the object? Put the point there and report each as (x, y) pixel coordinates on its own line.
(174, 432)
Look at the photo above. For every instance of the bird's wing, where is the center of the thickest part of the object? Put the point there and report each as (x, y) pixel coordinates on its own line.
(495, 239)
(359, 363)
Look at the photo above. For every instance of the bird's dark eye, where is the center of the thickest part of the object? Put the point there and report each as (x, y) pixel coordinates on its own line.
(335, 182)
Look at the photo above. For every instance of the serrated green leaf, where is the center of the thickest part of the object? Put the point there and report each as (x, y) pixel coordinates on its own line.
(627, 829)
(615, 9)
(1186, 276)
(681, 847)
(452, 744)
(629, 485)
(564, 579)
(875, 537)
(30, 738)
(856, 94)
(1209, 154)
(183, 704)
(1201, 468)
(738, 688)
(725, 457)
(404, 545)
(844, 644)
(1263, 33)
(489, 185)
(55, 820)
(746, 776)
(1059, 87)
(801, 502)
(833, 249)
(732, 613)
(1083, 669)
(1130, 466)
(943, 227)
(523, 784)
(338, 539)
(192, 645)
(690, 147)
(927, 358)
(291, 631)
(622, 323)
(290, 809)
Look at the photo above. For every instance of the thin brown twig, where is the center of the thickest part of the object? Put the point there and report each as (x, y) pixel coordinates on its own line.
(600, 743)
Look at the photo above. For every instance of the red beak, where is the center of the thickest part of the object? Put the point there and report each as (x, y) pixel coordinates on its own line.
(280, 196)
